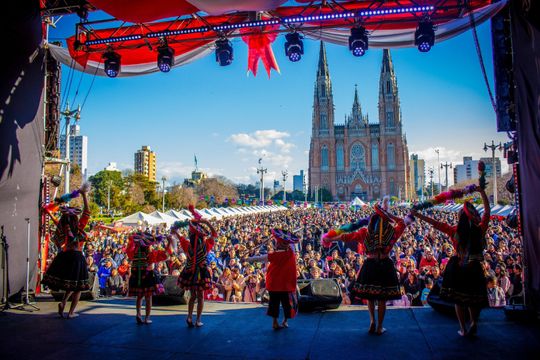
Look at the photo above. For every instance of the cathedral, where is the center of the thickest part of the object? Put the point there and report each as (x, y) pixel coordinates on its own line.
(358, 158)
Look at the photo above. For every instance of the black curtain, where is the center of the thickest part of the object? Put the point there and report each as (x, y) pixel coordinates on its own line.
(526, 43)
(21, 135)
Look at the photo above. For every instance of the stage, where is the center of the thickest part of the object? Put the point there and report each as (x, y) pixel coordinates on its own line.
(107, 329)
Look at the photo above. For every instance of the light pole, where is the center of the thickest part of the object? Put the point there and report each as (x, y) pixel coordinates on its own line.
(438, 166)
(262, 170)
(163, 179)
(446, 165)
(493, 147)
(109, 197)
(305, 188)
(68, 114)
(421, 188)
(430, 172)
(284, 173)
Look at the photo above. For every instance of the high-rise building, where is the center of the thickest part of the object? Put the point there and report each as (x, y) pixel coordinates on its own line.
(145, 163)
(358, 158)
(417, 176)
(489, 166)
(298, 182)
(466, 171)
(78, 149)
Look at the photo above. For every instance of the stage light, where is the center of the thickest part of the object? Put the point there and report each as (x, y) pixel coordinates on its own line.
(358, 41)
(165, 58)
(224, 52)
(424, 36)
(294, 47)
(111, 63)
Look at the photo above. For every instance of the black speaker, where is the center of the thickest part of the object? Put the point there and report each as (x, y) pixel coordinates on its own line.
(91, 294)
(434, 300)
(317, 295)
(173, 294)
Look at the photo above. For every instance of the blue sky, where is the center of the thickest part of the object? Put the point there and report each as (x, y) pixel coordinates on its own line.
(229, 119)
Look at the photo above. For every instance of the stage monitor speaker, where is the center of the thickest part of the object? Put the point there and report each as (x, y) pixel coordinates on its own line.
(89, 295)
(173, 294)
(317, 295)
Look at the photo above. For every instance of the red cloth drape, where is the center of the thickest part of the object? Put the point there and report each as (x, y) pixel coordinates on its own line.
(139, 11)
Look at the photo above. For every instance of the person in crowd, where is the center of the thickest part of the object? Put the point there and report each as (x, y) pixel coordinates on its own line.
(104, 273)
(238, 284)
(195, 276)
(426, 291)
(412, 288)
(252, 284)
(123, 269)
(496, 294)
(115, 284)
(377, 281)
(464, 282)
(142, 279)
(281, 278)
(69, 270)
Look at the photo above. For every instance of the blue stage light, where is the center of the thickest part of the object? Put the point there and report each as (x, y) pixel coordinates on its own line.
(358, 41)
(224, 52)
(165, 59)
(111, 63)
(424, 36)
(294, 46)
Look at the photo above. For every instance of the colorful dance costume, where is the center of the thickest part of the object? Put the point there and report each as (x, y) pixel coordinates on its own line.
(377, 279)
(196, 275)
(281, 278)
(68, 270)
(464, 282)
(143, 281)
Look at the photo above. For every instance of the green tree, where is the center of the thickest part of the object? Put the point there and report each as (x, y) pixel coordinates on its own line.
(101, 182)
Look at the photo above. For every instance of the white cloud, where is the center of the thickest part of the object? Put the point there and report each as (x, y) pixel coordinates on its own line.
(258, 139)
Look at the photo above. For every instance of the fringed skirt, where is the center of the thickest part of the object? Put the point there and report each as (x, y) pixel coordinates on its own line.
(142, 282)
(464, 284)
(67, 272)
(377, 280)
(196, 279)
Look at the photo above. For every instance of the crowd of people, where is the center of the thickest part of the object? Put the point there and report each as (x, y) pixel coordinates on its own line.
(420, 255)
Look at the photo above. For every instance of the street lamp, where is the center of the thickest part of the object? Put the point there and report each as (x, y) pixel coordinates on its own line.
(284, 173)
(305, 187)
(262, 170)
(493, 147)
(438, 164)
(163, 179)
(446, 165)
(68, 114)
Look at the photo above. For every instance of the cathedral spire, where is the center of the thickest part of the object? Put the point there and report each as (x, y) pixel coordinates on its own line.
(322, 69)
(388, 66)
(356, 108)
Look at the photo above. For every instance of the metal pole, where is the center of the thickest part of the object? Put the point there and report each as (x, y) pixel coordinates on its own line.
(163, 205)
(284, 173)
(109, 198)
(493, 147)
(67, 168)
(438, 166)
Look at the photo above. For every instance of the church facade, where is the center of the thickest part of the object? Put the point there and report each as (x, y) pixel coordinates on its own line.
(358, 158)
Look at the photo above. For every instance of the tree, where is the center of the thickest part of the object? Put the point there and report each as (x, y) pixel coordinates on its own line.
(216, 188)
(100, 184)
(179, 197)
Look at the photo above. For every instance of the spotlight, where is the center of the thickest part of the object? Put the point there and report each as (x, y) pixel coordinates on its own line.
(112, 63)
(424, 37)
(165, 58)
(358, 41)
(56, 180)
(294, 46)
(224, 52)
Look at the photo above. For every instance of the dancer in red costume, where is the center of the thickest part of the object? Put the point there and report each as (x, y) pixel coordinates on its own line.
(68, 270)
(377, 281)
(196, 276)
(142, 280)
(281, 278)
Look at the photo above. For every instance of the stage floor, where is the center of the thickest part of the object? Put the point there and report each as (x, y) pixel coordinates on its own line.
(107, 329)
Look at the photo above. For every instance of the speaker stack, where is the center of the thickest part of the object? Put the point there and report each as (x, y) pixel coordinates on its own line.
(317, 295)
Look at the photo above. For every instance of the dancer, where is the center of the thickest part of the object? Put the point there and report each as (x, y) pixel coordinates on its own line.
(196, 277)
(68, 270)
(142, 280)
(377, 280)
(281, 278)
(464, 282)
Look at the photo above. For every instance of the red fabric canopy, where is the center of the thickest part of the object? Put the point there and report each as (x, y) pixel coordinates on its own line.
(140, 11)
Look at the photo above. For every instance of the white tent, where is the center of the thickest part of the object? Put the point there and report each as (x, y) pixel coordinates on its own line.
(140, 218)
(357, 202)
(177, 215)
(165, 218)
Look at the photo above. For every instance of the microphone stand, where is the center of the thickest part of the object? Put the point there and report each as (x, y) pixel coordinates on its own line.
(26, 299)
